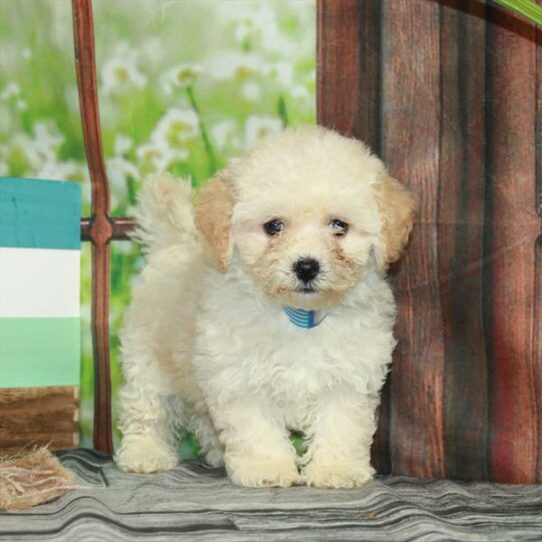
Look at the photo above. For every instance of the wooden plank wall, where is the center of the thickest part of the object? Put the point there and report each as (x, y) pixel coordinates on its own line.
(448, 92)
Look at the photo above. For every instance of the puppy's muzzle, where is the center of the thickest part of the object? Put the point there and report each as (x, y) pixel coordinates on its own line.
(306, 269)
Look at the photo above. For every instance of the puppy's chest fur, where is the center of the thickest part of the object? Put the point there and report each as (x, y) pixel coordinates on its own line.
(248, 345)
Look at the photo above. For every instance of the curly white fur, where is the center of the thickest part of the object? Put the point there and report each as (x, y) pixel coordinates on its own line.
(206, 343)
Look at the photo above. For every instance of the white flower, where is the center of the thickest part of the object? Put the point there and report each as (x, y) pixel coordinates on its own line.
(224, 135)
(251, 91)
(167, 143)
(122, 145)
(26, 53)
(47, 136)
(234, 66)
(260, 126)
(21, 105)
(181, 76)
(54, 170)
(41, 149)
(4, 169)
(282, 73)
(300, 92)
(158, 157)
(257, 25)
(121, 72)
(176, 127)
(11, 90)
(153, 48)
(118, 171)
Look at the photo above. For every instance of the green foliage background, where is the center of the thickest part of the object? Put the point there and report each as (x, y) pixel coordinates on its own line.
(183, 85)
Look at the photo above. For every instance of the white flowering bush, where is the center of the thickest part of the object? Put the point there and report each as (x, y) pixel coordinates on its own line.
(183, 86)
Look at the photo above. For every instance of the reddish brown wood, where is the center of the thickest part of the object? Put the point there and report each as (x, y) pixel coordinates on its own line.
(338, 51)
(467, 379)
(537, 345)
(122, 226)
(410, 124)
(511, 232)
(100, 227)
(460, 236)
(537, 324)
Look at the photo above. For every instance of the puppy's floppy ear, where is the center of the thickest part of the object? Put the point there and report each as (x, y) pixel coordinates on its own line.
(398, 207)
(213, 218)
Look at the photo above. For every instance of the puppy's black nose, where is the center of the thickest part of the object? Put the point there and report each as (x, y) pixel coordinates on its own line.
(306, 269)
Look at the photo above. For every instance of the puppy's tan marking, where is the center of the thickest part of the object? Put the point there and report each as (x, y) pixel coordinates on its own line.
(213, 218)
(398, 208)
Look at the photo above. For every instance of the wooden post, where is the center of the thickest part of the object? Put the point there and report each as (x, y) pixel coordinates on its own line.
(99, 228)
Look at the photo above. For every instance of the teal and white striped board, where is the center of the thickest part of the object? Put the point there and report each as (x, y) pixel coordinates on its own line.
(40, 251)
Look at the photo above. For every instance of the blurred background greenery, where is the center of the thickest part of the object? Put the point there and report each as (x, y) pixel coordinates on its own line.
(183, 86)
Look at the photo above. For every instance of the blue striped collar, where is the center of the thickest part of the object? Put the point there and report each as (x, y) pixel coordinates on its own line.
(303, 318)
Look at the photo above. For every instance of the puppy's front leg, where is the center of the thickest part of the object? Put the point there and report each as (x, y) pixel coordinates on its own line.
(148, 430)
(257, 450)
(340, 441)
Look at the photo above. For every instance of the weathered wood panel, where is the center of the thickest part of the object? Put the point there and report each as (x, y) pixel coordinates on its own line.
(38, 417)
(460, 237)
(511, 229)
(194, 502)
(411, 113)
(338, 51)
(537, 324)
(449, 93)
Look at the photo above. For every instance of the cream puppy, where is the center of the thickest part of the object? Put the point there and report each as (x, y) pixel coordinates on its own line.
(266, 309)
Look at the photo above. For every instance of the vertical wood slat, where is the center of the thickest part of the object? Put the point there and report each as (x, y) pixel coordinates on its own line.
(367, 126)
(460, 237)
(349, 102)
(100, 227)
(537, 324)
(512, 228)
(410, 123)
(338, 52)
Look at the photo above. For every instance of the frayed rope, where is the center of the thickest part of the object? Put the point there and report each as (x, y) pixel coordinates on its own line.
(32, 478)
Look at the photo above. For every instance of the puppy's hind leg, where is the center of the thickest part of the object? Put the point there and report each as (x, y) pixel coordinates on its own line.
(148, 422)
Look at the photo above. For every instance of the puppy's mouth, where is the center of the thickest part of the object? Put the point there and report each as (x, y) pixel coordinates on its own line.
(307, 289)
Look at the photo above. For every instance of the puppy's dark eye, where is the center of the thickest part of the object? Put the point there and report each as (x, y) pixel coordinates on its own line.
(338, 227)
(273, 227)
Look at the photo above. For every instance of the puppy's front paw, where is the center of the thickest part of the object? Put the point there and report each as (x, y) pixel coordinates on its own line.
(215, 458)
(263, 472)
(145, 454)
(337, 475)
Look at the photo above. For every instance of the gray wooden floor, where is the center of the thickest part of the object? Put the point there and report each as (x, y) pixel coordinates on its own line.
(195, 502)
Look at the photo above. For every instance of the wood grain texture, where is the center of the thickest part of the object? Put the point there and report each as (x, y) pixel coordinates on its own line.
(367, 123)
(338, 50)
(537, 324)
(511, 227)
(100, 226)
(38, 417)
(194, 502)
(460, 237)
(454, 102)
(410, 122)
